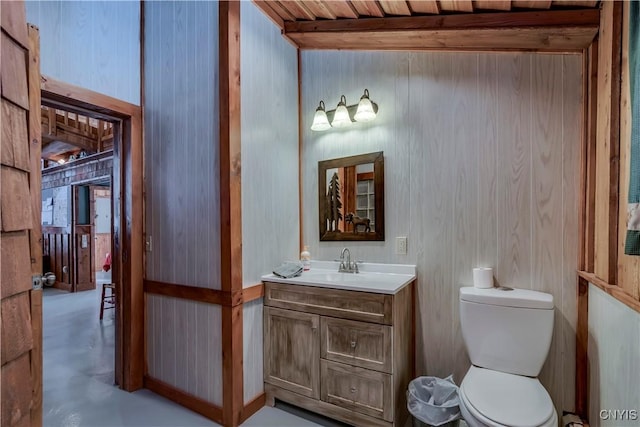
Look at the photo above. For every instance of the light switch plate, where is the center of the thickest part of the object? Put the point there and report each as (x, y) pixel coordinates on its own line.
(401, 245)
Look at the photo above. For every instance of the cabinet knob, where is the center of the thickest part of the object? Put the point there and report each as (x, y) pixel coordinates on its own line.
(353, 389)
(353, 344)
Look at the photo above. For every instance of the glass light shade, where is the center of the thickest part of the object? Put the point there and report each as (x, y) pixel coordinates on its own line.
(365, 111)
(61, 161)
(341, 117)
(320, 120)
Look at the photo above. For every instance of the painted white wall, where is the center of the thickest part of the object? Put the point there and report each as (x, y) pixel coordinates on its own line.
(614, 355)
(91, 44)
(184, 343)
(270, 217)
(481, 169)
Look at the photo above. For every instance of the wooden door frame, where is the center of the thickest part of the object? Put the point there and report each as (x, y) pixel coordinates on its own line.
(128, 254)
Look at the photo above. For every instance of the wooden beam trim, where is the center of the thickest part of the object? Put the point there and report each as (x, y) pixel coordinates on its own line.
(548, 39)
(613, 290)
(589, 157)
(253, 407)
(202, 407)
(552, 18)
(253, 293)
(192, 293)
(58, 91)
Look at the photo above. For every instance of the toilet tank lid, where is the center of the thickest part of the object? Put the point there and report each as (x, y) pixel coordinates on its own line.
(508, 297)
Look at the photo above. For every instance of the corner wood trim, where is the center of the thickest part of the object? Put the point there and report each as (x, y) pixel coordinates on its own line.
(582, 361)
(206, 295)
(613, 290)
(253, 407)
(185, 399)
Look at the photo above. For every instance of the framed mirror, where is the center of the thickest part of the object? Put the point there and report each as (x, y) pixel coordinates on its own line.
(351, 198)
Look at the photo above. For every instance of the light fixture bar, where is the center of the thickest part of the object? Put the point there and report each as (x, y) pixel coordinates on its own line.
(352, 111)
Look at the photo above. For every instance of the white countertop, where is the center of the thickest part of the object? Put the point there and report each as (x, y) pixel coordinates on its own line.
(373, 277)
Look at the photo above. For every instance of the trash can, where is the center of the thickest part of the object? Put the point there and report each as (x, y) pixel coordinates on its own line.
(434, 401)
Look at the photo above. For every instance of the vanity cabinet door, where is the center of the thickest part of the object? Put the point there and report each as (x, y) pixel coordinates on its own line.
(292, 351)
(367, 345)
(357, 389)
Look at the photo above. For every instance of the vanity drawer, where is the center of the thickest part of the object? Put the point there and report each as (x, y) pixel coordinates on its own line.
(357, 389)
(354, 305)
(367, 345)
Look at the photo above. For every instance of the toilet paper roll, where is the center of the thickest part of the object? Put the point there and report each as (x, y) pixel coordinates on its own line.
(483, 277)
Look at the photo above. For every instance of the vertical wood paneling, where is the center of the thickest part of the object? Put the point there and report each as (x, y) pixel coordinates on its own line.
(270, 220)
(572, 124)
(614, 351)
(95, 45)
(184, 346)
(546, 204)
(252, 349)
(481, 162)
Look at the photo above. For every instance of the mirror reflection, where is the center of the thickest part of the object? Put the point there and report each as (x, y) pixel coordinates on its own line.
(351, 198)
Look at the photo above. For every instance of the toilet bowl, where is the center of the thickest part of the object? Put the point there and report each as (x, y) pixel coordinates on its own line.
(497, 399)
(507, 333)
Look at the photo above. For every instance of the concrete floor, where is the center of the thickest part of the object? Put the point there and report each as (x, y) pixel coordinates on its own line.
(78, 354)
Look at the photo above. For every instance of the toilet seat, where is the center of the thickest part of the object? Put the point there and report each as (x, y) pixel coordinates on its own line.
(500, 399)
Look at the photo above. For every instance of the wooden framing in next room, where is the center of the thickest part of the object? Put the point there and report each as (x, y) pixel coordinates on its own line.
(127, 179)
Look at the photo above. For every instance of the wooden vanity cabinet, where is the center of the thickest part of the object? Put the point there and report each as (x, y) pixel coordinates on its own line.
(345, 354)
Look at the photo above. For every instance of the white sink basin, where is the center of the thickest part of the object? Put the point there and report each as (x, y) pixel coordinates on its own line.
(378, 278)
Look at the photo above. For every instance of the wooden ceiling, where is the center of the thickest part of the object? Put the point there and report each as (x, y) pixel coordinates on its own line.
(436, 24)
(65, 133)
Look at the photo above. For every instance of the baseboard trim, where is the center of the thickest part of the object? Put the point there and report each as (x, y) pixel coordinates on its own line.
(202, 407)
(252, 407)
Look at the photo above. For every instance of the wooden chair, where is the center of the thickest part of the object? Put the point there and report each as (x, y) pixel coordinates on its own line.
(109, 299)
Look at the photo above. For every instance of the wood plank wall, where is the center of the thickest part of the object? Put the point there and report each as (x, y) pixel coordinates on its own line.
(56, 244)
(182, 193)
(270, 218)
(79, 41)
(482, 168)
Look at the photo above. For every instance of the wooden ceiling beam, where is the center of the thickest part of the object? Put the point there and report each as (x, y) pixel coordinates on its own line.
(342, 9)
(319, 9)
(297, 9)
(496, 21)
(532, 4)
(265, 7)
(69, 138)
(549, 39)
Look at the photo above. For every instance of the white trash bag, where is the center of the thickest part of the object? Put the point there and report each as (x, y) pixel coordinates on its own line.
(434, 400)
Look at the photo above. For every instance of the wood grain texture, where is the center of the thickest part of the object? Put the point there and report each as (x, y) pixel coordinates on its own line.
(15, 152)
(590, 158)
(614, 350)
(67, 28)
(269, 138)
(360, 390)
(14, 79)
(368, 8)
(17, 337)
(16, 392)
(424, 6)
(608, 143)
(391, 7)
(183, 346)
(15, 270)
(13, 20)
(252, 346)
(434, 164)
(295, 368)
(15, 200)
(628, 266)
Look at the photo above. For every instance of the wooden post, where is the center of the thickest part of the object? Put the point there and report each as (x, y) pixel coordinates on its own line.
(231, 209)
(608, 143)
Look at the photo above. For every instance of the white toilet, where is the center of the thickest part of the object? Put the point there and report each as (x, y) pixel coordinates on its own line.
(507, 334)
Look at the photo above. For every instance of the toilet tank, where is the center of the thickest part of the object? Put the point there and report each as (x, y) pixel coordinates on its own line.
(507, 330)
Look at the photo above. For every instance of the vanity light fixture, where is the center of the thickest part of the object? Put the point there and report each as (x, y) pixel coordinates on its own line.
(344, 115)
(320, 120)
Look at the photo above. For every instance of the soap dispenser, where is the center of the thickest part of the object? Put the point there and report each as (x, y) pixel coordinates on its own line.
(305, 257)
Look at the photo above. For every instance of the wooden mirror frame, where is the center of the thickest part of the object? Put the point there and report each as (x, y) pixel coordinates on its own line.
(378, 184)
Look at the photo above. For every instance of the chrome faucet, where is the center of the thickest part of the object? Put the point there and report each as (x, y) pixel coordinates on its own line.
(347, 267)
